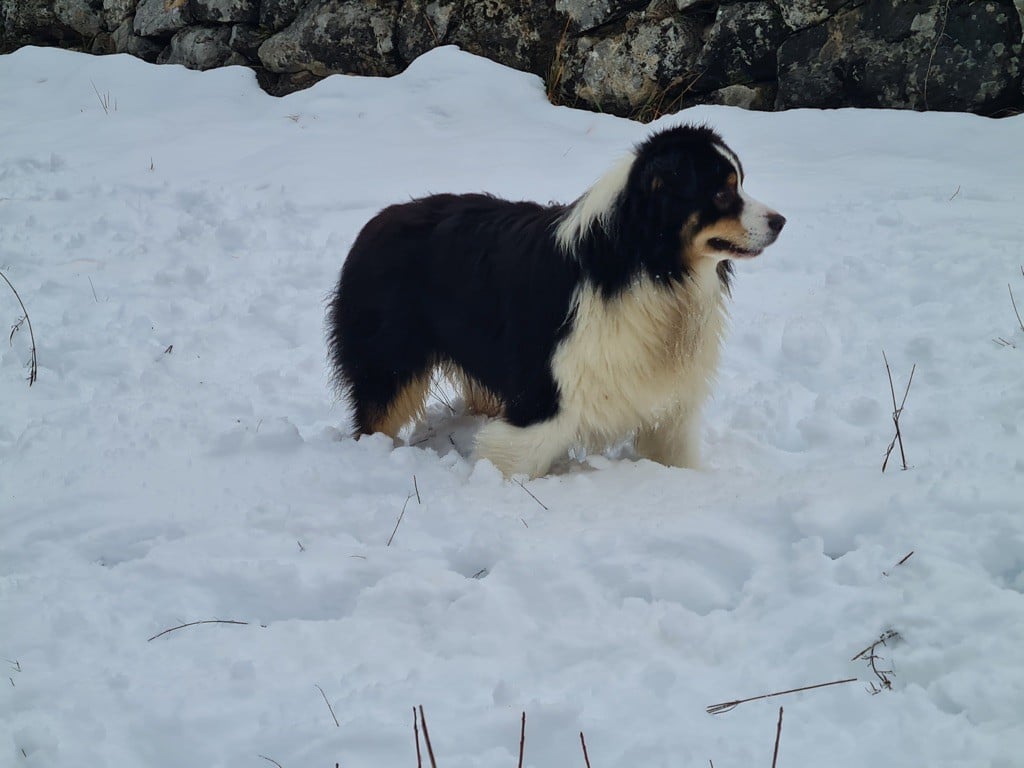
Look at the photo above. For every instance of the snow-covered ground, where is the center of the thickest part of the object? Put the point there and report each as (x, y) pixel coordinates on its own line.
(173, 235)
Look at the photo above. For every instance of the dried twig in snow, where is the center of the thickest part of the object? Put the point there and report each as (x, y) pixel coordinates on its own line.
(33, 366)
(778, 735)
(897, 411)
(726, 706)
(194, 624)
(336, 723)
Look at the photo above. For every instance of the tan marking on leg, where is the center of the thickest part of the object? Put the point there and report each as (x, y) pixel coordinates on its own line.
(408, 405)
(477, 398)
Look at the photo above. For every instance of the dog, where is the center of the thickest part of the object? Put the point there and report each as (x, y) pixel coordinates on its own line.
(579, 324)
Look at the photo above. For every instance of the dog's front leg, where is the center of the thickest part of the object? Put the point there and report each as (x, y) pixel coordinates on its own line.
(674, 440)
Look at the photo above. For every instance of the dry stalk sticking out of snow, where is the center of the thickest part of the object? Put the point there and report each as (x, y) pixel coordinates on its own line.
(336, 723)
(418, 719)
(872, 658)
(726, 706)
(196, 624)
(416, 493)
(583, 743)
(778, 735)
(1013, 301)
(897, 411)
(33, 366)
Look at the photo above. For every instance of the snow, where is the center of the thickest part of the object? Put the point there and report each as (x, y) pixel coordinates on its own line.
(181, 457)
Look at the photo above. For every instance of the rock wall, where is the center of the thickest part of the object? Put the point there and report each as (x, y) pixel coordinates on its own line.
(640, 58)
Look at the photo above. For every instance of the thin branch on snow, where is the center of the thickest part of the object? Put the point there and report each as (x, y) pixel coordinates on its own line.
(416, 735)
(869, 654)
(887, 635)
(104, 99)
(426, 738)
(195, 624)
(726, 706)
(901, 562)
(778, 735)
(33, 366)
(897, 411)
(1012, 301)
(520, 484)
(522, 739)
(271, 760)
(586, 757)
(336, 723)
(391, 538)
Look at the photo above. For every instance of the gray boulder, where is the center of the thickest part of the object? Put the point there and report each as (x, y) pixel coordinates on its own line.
(246, 40)
(422, 25)
(740, 46)
(225, 11)
(336, 36)
(117, 12)
(161, 18)
(800, 14)
(518, 34)
(33, 22)
(83, 16)
(278, 14)
(884, 54)
(642, 70)
(201, 48)
(125, 40)
(584, 15)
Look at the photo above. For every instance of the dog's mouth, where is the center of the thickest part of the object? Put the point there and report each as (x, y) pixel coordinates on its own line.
(726, 246)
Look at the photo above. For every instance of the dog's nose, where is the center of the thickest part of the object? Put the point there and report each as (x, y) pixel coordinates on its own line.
(776, 221)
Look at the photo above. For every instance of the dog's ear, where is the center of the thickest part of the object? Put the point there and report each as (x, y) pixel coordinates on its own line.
(673, 176)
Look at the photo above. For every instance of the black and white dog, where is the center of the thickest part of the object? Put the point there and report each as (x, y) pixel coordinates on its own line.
(569, 324)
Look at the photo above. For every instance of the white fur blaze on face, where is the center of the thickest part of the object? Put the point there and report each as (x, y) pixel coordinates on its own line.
(756, 219)
(594, 206)
(759, 226)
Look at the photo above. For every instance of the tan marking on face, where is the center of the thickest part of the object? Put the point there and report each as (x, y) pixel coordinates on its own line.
(729, 229)
(695, 240)
(687, 237)
(732, 181)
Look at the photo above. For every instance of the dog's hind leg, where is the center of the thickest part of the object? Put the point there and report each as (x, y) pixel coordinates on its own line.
(386, 403)
(407, 404)
(477, 398)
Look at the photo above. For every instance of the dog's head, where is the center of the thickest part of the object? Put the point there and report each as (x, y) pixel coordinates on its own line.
(691, 183)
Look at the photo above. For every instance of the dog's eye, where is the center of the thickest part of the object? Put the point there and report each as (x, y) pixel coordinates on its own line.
(723, 199)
